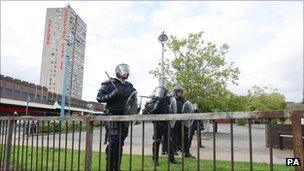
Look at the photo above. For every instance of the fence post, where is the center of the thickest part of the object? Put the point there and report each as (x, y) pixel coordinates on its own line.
(280, 140)
(89, 142)
(298, 149)
(9, 144)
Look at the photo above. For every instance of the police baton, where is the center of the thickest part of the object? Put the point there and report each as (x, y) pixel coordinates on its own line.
(110, 79)
(142, 96)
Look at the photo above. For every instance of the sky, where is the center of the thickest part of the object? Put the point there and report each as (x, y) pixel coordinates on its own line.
(265, 39)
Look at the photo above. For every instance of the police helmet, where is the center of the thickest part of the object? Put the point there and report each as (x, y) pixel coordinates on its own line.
(178, 88)
(122, 70)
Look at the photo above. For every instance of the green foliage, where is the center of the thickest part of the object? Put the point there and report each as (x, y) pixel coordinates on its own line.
(56, 127)
(53, 127)
(241, 122)
(260, 99)
(201, 68)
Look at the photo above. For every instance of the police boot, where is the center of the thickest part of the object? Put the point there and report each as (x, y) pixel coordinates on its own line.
(112, 157)
(155, 155)
(164, 150)
(201, 146)
(109, 159)
(115, 161)
(174, 161)
(171, 156)
(189, 155)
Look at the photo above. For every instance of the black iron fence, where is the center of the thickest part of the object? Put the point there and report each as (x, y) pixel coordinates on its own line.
(54, 143)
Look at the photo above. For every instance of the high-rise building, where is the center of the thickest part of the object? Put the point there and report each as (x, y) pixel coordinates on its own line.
(64, 38)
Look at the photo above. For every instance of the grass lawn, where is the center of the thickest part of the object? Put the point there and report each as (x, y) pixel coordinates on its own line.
(190, 164)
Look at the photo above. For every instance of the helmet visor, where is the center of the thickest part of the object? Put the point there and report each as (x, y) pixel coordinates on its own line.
(159, 92)
(123, 69)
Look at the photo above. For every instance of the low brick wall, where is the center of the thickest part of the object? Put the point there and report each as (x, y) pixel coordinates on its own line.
(285, 129)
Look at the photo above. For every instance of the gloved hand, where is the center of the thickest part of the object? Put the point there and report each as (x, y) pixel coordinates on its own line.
(108, 97)
(115, 92)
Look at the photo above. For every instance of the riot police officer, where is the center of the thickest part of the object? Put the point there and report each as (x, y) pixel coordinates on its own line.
(194, 126)
(159, 104)
(177, 130)
(115, 93)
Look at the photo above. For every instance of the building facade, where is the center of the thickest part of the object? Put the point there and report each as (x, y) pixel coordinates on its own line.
(63, 48)
(19, 92)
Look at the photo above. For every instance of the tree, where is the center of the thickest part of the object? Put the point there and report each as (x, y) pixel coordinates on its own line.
(260, 99)
(204, 73)
(202, 70)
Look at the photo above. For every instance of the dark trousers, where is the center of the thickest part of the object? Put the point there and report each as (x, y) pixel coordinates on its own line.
(186, 139)
(106, 132)
(177, 129)
(193, 128)
(179, 138)
(161, 130)
(164, 145)
(117, 133)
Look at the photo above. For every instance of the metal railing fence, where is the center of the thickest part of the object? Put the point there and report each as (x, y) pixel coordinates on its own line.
(54, 143)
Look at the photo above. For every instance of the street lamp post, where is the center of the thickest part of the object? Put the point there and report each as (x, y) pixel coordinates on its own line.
(162, 38)
(64, 85)
(27, 103)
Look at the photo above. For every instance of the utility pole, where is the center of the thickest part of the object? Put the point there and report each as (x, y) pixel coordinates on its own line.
(27, 103)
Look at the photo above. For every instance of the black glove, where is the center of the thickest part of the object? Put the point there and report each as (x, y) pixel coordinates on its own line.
(117, 91)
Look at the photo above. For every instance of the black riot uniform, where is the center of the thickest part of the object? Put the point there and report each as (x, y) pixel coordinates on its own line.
(115, 99)
(160, 105)
(194, 127)
(164, 146)
(178, 127)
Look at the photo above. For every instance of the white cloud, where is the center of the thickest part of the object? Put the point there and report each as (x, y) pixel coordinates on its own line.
(278, 63)
(269, 53)
(261, 41)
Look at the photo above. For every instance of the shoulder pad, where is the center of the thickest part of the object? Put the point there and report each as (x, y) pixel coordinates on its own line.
(107, 81)
(129, 84)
